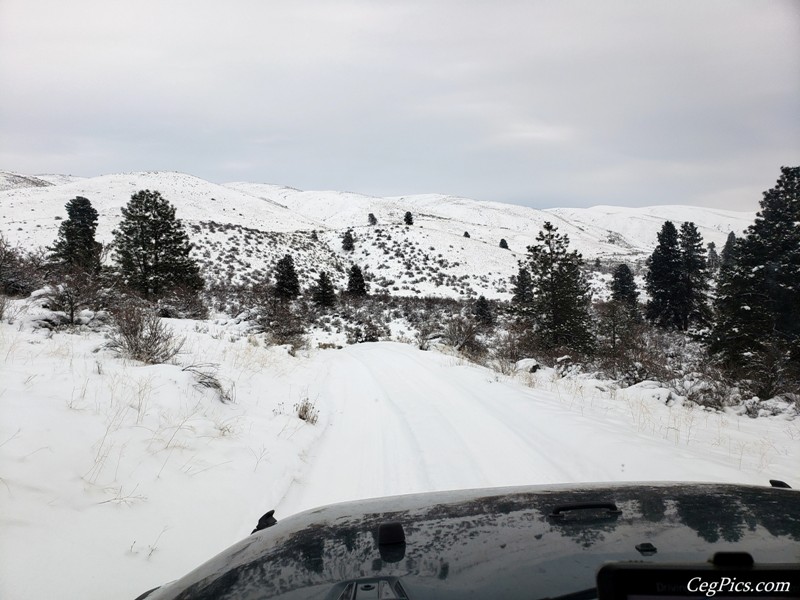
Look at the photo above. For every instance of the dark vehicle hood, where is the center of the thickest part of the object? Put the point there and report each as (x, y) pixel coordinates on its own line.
(499, 543)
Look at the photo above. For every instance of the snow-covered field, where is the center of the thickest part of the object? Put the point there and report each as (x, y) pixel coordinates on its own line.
(116, 477)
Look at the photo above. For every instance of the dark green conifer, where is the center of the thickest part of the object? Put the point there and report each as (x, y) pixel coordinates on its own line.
(347, 241)
(663, 279)
(151, 248)
(561, 293)
(287, 285)
(523, 288)
(356, 286)
(726, 257)
(693, 298)
(75, 246)
(623, 286)
(483, 312)
(758, 298)
(323, 293)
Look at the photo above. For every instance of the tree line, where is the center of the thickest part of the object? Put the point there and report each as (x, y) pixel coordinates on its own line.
(749, 325)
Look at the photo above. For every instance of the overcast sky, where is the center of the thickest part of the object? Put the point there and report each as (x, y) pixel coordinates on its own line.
(547, 104)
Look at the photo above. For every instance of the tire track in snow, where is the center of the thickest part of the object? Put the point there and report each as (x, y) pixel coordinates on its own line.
(400, 421)
(350, 459)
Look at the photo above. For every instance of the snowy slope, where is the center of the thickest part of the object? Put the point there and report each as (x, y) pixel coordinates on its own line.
(636, 228)
(119, 476)
(597, 231)
(13, 181)
(57, 179)
(28, 215)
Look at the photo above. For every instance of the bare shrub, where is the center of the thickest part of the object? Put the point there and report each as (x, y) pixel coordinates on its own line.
(507, 351)
(182, 302)
(307, 411)
(140, 334)
(206, 375)
(21, 272)
(458, 331)
(3, 306)
(425, 331)
(73, 291)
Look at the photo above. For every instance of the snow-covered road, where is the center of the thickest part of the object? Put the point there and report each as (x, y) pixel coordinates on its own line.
(398, 421)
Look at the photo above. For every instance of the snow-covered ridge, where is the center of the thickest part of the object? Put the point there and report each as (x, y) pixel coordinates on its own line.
(241, 229)
(12, 181)
(597, 231)
(30, 214)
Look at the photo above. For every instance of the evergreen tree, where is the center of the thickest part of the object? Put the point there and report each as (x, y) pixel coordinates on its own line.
(408, 219)
(712, 258)
(75, 246)
(623, 286)
(356, 286)
(561, 293)
(736, 327)
(663, 279)
(152, 249)
(523, 288)
(323, 293)
(371, 219)
(347, 241)
(618, 318)
(503, 244)
(693, 297)
(483, 312)
(758, 300)
(726, 257)
(466, 234)
(287, 285)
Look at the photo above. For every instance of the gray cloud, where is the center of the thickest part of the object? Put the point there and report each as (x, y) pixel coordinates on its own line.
(540, 103)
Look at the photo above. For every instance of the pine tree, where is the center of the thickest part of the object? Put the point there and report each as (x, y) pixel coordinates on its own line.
(561, 293)
(523, 288)
(356, 286)
(287, 285)
(618, 317)
(503, 244)
(758, 300)
(663, 279)
(623, 286)
(483, 312)
(371, 219)
(726, 257)
(347, 241)
(694, 286)
(408, 219)
(712, 258)
(323, 293)
(466, 234)
(736, 327)
(152, 249)
(75, 246)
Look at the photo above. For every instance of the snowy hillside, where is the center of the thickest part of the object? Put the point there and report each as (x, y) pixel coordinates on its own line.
(605, 232)
(241, 229)
(636, 228)
(120, 476)
(12, 181)
(30, 214)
